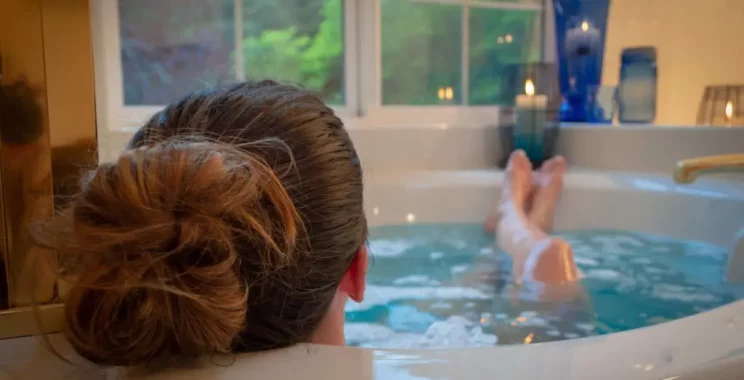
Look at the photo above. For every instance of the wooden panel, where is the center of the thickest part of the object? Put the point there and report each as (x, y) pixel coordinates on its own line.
(25, 152)
(68, 51)
(47, 136)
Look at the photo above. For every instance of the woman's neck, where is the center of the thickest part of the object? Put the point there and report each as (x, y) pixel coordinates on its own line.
(331, 328)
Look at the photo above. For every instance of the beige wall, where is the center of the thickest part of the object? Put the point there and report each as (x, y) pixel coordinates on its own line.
(698, 42)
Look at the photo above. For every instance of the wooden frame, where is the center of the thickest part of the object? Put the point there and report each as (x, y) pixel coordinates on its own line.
(46, 51)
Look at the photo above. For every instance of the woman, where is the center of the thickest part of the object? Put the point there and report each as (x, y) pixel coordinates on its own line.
(233, 222)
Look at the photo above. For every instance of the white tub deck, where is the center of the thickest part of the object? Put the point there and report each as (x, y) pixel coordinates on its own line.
(710, 210)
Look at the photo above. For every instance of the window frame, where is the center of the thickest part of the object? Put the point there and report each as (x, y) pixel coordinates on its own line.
(115, 115)
(374, 112)
(362, 66)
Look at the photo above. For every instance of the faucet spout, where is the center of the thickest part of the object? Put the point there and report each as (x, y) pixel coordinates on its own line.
(689, 170)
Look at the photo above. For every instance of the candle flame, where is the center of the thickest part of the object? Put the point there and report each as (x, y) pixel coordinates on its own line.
(729, 110)
(585, 26)
(529, 87)
(528, 338)
(449, 94)
(441, 93)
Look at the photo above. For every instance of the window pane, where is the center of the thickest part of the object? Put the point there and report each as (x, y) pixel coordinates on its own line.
(526, 2)
(297, 41)
(421, 47)
(172, 47)
(501, 41)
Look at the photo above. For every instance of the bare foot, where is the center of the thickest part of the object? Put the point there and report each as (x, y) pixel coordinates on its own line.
(513, 233)
(548, 188)
(536, 256)
(516, 190)
(517, 181)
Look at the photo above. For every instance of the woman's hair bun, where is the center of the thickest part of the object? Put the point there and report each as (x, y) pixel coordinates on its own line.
(155, 244)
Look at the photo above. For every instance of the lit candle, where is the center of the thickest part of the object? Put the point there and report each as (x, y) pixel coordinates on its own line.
(582, 40)
(529, 99)
(446, 94)
(729, 112)
(530, 122)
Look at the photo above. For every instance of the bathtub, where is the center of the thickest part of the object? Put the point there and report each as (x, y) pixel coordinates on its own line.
(705, 346)
(708, 345)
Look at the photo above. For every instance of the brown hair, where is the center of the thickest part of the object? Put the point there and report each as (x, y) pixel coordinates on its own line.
(226, 226)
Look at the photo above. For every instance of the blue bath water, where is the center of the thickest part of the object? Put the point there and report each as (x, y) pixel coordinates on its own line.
(444, 285)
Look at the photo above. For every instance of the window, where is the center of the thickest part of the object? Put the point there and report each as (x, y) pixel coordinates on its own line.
(364, 57)
(454, 52)
(493, 68)
(172, 47)
(421, 53)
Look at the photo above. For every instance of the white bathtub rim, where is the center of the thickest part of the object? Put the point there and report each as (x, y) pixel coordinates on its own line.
(657, 352)
(576, 178)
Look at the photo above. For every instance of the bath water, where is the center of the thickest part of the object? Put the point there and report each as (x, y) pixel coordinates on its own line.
(446, 286)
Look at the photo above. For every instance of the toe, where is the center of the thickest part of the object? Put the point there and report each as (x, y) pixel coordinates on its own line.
(559, 164)
(554, 164)
(519, 162)
(518, 178)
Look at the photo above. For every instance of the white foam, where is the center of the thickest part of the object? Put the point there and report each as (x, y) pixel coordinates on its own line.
(455, 332)
(584, 326)
(703, 249)
(376, 295)
(654, 270)
(486, 251)
(416, 279)
(404, 317)
(441, 305)
(459, 269)
(629, 240)
(641, 261)
(436, 255)
(553, 333)
(389, 247)
(604, 274)
(585, 261)
(584, 250)
(459, 244)
(670, 292)
(571, 335)
(611, 244)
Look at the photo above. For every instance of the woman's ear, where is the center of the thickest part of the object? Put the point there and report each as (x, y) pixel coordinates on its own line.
(355, 279)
